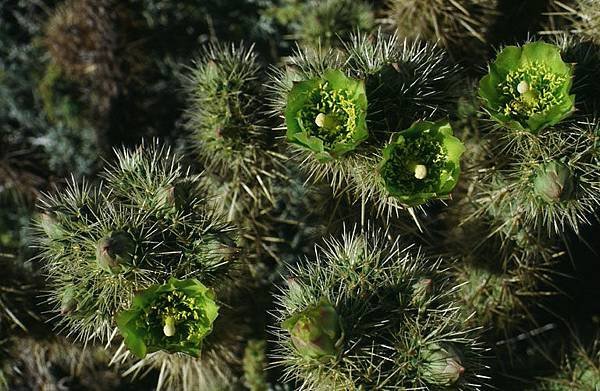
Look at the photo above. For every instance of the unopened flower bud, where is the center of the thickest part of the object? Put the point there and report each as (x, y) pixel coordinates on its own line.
(554, 182)
(442, 366)
(68, 302)
(115, 251)
(316, 332)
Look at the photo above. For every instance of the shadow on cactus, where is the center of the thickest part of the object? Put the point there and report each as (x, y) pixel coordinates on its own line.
(101, 244)
(367, 314)
(580, 371)
(527, 88)
(317, 23)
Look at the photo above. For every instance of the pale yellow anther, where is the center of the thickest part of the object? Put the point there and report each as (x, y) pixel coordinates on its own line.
(523, 87)
(320, 120)
(420, 171)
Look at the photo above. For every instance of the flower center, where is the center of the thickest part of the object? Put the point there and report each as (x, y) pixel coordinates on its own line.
(329, 115)
(420, 171)
(531, 89)
(403, 172)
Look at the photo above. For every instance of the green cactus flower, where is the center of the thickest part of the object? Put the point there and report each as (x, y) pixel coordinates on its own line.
(527, 88)
(174, 317)
(327, 115)
(554, 182)
(317, 331)
(422, 163)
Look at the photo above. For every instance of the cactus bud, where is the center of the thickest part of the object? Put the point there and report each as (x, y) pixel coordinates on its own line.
(421, 291)
(554, 182)
(442, 366)
(115, 251)
(316, 332)
(68, 302)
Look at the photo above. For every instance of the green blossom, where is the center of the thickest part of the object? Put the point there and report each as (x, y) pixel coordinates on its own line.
(317, 331)
(174, 317)
(528, 87)
(422, 163)
(327, 115)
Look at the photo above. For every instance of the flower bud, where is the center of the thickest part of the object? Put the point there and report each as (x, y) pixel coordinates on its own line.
(316, 332)
(421, 291)
(68, 302)
(554, 182)
(115, 251)
(442, 366)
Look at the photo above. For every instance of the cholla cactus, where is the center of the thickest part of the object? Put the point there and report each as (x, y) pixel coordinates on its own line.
(542, 180)
(553, 187)
(458, 25)
(367, 314)
(580, 372)
(148, 222)
(82, 39)
(52, 363)
(383, 76)
(321, 23)
(233, 138)
(579, 17)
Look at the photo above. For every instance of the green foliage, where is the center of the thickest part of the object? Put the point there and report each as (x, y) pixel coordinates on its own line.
(394, 336)
(174, 317)
(527, 88)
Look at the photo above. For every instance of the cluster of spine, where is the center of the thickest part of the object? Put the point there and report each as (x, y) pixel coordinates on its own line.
(147, 231)
(579, 371)
(460, 26)
(320, 23)
(233, 138)
(577, 17)
(367, 314)
(351, 112)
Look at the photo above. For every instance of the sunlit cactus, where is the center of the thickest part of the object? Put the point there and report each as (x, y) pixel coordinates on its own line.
(336, 331)
(382, 81)
(147, 222)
